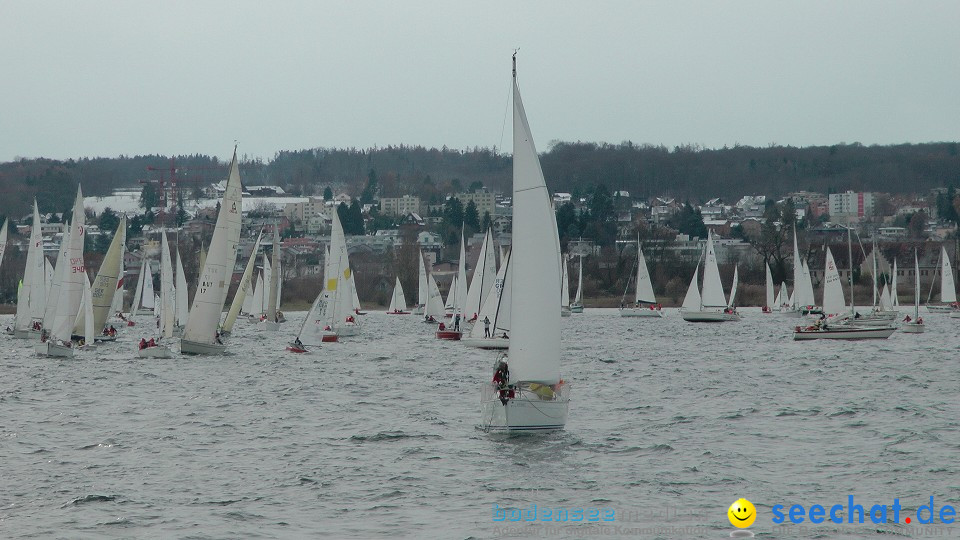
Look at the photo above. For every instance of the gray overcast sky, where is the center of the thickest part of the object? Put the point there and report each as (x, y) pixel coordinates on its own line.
(178, 77)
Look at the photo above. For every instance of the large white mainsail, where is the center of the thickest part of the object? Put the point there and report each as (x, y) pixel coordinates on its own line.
(398, 303)
(578, 299)
(564, 282)
(496, 307)
(32, 299)
(200, 335)
(644, 283)
(242, 299)
(797, 298)
(434, 308)
(948, 291)
(535, 305)
(712, 295)
(105, 284)
(74, 276)
(423, 292)
(806, 286)
(483, 277)
(833, 299)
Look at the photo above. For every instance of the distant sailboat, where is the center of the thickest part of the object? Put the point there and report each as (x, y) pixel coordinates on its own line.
(914, 325)
(434, 310)
(802, 302)
(770, 299)
(564, 285)
(948, 290)
(577, 305)
(272, 321)
(143, 297)
(455, 330)
(894, 295)
(167, 307)
(529, 394)
(483, 277)
(201, 335)
(398, 303)
(423, 291)
(492, 328)
(69, 296)
(32, 294)
(644, 300)
(105, 284)
(711, 305)
(242, 298)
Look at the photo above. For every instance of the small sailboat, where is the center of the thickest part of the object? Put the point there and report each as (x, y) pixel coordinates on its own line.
(802, 302)
(914, 325)
(423, 291)
(492, 328)
(882, 308)
(644, 301)
(32, 295)
(345, 303)
(483, 276)
(144, 302)
(434, 311)
(577, 305)
(455, 330)
(783, 297)
(770, 299)
(835, 322)
(894, 295)
(354, 297)
(70, 282)
(272, 321)
(201, 334)
(157, 348)
(105, 284)
(83, 335)
(948, 290)
(398, 304)
(528, 394)
(711, 305)
(564, 286)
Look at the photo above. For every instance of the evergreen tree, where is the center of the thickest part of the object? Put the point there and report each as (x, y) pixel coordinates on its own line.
(148, 197)
(327, 193)
(487, 223)
(109, 221)
(470, 216)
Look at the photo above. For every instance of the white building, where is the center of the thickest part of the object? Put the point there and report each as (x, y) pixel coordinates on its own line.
(850, 205)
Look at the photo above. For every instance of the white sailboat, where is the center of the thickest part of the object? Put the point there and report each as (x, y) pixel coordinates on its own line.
(529, 394)
(144, 297)
(914, 325)
(459, 293)
(483, 276)
(105, 284)
(398, 303)
(317, 326)
(731, 303)
(423, 291)
(644, 300)
(837, 322)
(434, 310)
(948, 290)
(272, 321)
(802, 302)
(577, 305)
(158, 348)
(345, 322)
(354, 297)
(181, 301)
(84, 338)
(783, 297)
(56, 340)
(492, 328)
(882, 309)
(770, 299)
(712, 305)
(201, 334)
(32, 295)
(242, 298)
(895, 296)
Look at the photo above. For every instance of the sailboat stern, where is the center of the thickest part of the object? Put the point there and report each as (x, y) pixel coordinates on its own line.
(532, 407)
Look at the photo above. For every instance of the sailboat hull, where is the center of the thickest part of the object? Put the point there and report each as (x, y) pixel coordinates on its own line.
(641, 312)
(845, 332)
(49, 348)
(913, 328)
(193, 347)
(565, 312)
(26, 334)
(398, 313)
(452, 335)
(486, 343)
(708, 316)
(157, 351)
(526, 412)
(941, 309)
(574, 308)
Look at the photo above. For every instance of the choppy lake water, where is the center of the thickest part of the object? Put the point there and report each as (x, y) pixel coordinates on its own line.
(670, 422)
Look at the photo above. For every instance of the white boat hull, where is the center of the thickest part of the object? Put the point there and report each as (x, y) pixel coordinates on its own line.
(268, 326)
(913, 328)
(26, 334)
(576, 308)
(193, 347)
(708, 316)
(487, 343)
(845, 332)
(48, 348)
(157, 351)
(641, 312)
(940, 309)
(526, 412)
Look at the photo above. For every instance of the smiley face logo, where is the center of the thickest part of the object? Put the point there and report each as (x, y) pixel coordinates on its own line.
(742, 513)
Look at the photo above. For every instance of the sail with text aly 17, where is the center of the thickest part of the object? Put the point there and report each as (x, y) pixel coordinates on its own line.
(201, 335)
(527, 392)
